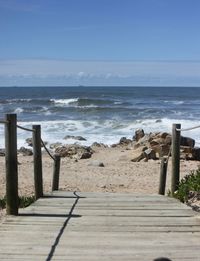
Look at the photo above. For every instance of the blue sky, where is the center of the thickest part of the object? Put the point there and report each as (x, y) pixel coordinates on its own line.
(100, 42)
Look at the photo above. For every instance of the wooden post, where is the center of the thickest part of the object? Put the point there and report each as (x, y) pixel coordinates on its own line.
(12, 200)
(56, 173)
(163, 175)
(37, 155)
(175, 157)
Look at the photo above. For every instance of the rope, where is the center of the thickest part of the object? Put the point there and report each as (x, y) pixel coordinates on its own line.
(192, 128)
(3, 122)
(26, 129)
(168, 156)
(48, 152)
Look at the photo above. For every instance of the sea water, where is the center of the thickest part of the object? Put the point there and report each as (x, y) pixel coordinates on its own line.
(101, 114)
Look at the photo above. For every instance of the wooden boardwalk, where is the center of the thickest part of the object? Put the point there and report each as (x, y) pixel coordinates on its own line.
(102, 226)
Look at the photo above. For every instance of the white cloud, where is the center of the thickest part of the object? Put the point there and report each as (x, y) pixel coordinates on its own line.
(81, 74)
(94, 72)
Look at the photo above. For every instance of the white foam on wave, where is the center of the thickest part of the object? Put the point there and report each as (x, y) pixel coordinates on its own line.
(118, 102)
(10, 101)
(18, 110)
(107, 132)
(89, 106)
(64, 102)
(175, 102)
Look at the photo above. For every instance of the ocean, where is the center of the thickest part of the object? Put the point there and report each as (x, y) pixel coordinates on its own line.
(101, 114)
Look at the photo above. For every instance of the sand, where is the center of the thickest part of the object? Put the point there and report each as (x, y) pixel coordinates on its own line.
(119, 174)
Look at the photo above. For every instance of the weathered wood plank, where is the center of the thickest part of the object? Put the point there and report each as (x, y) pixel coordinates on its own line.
(101, 226)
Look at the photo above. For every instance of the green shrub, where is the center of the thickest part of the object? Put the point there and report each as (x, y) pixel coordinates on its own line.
(24, 201)
(189, 183)
(2, 202)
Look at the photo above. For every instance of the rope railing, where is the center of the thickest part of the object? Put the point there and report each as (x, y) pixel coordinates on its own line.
(168, 155)
(25, 129)
(176, 142)
(37, 142)
(42, 142)
(12, 162)
(188, 129)
(48, 152)
(3, 122)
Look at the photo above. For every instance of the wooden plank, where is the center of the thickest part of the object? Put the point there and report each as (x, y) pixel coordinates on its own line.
(101, 226)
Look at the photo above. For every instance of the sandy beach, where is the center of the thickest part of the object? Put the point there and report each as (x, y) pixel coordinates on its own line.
(119, 173)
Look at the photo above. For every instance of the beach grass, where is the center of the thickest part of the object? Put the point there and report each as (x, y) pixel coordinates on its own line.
(188, 184)
(24, 201)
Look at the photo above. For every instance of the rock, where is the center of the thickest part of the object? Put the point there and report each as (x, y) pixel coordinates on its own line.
(29, 141)
(159, 145)
(2, 152)
(163, 135)
(143, 141)
(185, 141)
(139, 158)
(186, 149)
(196, 153)
(80, 138)
(164, 150)
(25, 152)
(150, 154)
(96, 163)
(85, 155)
(74, 151)
(168, 140)
(99, 145)
(144, 148)
(124, 141)
(157, 121)
(154, 143)
(161, 149)
(55, 145)
(139, 133)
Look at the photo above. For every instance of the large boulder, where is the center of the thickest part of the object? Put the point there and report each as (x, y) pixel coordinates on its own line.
(125, 141)
(161, 149)
(139, 154)
(185, 141)
(150, 154)
(139, 133)
(139, 157)
(196, 153)
(74, 151)
(25, 152)
(142, 141)
(160, 144)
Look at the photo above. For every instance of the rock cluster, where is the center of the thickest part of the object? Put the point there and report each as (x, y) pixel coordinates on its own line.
(74, 151)
(23, 151)
(157, 145)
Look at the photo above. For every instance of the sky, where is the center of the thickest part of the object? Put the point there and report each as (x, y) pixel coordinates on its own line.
(99, 42)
